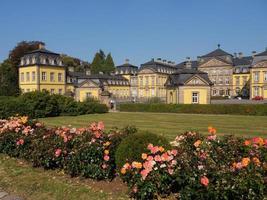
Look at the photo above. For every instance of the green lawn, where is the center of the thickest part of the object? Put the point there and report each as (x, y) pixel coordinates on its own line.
(19, 178)
(170, 125)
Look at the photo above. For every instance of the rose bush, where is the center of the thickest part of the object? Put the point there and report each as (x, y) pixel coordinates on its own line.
(87, 152)
(203, 167)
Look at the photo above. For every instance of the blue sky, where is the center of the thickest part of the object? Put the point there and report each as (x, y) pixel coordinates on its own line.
(135, 29)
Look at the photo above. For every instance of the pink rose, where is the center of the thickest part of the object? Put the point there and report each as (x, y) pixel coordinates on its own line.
(157, 158)
(100, 126)
(212, 137)
(20, 142)
(170, 171)
(104, 166)
(174, 152)
(144, 173)
(58, 152)
(204, 181)
(150, 146)
(106, 158)
(150, 158)
(154, 149)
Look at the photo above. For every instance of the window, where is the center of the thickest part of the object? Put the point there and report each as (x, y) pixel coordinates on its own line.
(152, 92)
(33, 76)
(227, 92)
(227, 80)
(22, 77)
(265, 77)
(52, 76)
(237, 80)
(256, 76)
(195, 81)
(28, 76)
(220, 80)
(245, 79)
(195, 97)
(256, 91)
(52, 91)
(59, 91)
(55, 62)
(237, 90)
(47, 61)
(146, 80)
(153, 80)
(214, 92)
(141, 81)
(28, 90)
(221, 92)
(43, 76)
(88, 95)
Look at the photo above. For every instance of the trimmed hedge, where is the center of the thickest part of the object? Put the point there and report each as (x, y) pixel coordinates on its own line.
(234, 109)
(42, 104)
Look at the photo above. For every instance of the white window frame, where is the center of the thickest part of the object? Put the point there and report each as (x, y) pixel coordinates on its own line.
(44, 76)
(195, 97)
(33, 76)
(22, 77)
(52, 76)
(27, 76)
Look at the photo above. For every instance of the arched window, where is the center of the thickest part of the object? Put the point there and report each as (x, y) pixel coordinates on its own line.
(46, 61)
(55, 61)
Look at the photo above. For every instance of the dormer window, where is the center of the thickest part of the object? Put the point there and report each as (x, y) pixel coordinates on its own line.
(237, 70)
(55, 62)
(28, 61)
(46, 61)
(33, 60)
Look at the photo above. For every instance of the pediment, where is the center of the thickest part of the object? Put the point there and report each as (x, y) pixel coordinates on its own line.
(146, 71)
(214, 63)
(196, 80)
(261, 64)
(88, 84)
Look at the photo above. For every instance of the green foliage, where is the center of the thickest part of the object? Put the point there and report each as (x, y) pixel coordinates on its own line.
(154, 100)
(131, 147)
(237, 109)
(8, 79)
(9, 69)
(102, 63)
(42, 104)
(77, 64)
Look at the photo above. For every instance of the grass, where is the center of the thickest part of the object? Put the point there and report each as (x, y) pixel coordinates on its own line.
(19, 178)
(171, 124)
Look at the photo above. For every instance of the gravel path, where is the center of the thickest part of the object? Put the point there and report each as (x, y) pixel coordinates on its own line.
(5, 196)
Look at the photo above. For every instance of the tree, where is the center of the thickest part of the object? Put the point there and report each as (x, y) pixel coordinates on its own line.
(109, 65)
(9, 72)
(102, 63)
(7, 79)
(97, 64)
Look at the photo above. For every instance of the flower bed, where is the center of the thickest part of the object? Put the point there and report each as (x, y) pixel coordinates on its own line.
(193, 167)
(201, 167)
(87, 152)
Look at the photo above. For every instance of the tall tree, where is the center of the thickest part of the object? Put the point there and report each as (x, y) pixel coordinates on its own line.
(97, 64)
(11, 79)
(109, 65)
(7, 79)
(102, 63)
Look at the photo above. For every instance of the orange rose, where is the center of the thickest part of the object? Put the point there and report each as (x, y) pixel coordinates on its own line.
(247, 142)
(123, 170)
(256, 161)
(212, 130)
(106, 152)
(137, 165)
(144, 156)
(245, 162)
(197, 143)
(161, 149)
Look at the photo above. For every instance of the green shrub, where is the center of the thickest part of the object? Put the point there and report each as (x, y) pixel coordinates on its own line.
(235, 109)
(134, 145)
(42, 104)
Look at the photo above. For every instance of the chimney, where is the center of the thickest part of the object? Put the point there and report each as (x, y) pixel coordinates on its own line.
(127, 61)
(240, 55)
(188, 63)
(235, 55)
(253, 53)
(88, 72)
(41, 46)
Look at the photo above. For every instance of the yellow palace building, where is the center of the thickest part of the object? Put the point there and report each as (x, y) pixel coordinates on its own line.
(43, 70)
